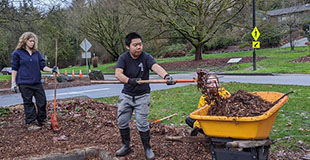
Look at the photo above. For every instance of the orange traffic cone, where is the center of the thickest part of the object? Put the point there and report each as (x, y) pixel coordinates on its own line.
(58, 74)
(80, 75)
(73, 75)
(66, 72)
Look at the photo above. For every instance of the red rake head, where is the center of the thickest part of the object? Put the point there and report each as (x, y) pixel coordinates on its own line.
(55, 125)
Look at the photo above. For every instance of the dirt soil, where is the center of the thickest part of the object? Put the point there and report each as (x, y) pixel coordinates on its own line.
(302, 59)
(85, 123)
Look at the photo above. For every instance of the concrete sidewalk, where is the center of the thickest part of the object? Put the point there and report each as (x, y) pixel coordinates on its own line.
(298, 43)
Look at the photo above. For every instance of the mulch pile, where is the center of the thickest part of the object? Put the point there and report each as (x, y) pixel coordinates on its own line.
(302, 59)
(86, 123)
(240, 104)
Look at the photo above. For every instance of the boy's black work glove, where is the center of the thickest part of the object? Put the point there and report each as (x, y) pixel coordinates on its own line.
(134, 81)
(54, 70)
(169, 79)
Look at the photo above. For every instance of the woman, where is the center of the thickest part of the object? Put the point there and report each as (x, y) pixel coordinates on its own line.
(26, 64)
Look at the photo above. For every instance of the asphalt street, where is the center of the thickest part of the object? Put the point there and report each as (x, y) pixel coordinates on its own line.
(108, 90)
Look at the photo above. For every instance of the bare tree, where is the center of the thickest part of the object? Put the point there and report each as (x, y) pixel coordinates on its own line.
(102, 21)
(195, 20)
(292, 23)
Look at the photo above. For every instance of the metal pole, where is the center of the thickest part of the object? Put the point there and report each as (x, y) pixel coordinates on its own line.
(254, 53)
(86, 60)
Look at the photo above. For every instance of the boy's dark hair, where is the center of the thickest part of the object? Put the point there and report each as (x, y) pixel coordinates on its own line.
(131, 36)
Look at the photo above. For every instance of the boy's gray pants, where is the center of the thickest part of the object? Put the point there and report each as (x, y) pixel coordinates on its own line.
(127, 104)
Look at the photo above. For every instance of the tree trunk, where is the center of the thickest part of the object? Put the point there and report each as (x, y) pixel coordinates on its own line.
(291, 39)
(198, 52)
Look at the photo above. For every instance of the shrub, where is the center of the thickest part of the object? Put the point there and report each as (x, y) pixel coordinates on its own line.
(174, 50)
(192, 51)
(220, 42)
(174, 54)
(247, 37)
(270, 37)
(4, 112)
(95, 61)
(244, 45)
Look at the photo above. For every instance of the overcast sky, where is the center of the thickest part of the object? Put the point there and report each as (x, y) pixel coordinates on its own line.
(45, 4)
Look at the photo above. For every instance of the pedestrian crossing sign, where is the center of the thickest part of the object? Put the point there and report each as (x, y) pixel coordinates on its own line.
(255, 34)
(256, 44)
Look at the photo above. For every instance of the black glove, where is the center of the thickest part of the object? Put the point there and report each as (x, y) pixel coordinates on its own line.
(54, 70)
(169, 79)
(134, 81)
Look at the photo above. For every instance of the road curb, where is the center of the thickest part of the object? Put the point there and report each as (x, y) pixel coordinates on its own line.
(78, 154)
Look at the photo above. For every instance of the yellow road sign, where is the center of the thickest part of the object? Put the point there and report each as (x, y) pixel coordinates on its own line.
(256, 44)
(255, 34)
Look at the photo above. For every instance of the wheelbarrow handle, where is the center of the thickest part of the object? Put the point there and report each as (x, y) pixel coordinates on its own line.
(275, 102)
(143, 81)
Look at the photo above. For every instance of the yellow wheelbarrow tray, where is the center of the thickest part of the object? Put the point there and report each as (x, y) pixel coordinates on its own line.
(257, 127)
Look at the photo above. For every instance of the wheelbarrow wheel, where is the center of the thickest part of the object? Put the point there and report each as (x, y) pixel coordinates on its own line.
(263, 152)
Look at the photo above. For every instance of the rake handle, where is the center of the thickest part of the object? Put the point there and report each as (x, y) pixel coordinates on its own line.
(143, 81)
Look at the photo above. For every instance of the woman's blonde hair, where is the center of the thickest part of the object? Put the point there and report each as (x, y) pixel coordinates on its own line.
(23, 39)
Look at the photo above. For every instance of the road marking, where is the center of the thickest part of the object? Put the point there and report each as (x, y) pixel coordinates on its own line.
(85, 91)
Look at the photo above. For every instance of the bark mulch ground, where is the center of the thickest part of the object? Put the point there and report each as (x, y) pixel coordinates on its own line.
(86, 123)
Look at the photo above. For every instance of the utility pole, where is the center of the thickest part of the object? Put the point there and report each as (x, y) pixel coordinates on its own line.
(254, 25)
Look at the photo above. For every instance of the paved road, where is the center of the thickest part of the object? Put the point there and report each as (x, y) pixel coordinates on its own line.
(108, 90)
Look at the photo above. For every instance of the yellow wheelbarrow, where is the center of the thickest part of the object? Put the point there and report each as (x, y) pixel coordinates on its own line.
(248, 134)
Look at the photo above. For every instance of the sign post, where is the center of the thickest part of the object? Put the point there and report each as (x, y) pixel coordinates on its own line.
(255, 44)
(85, 45)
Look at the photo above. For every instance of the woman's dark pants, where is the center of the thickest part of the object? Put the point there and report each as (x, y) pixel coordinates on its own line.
(36, 91)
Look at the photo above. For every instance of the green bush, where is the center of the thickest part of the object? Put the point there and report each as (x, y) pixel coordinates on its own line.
(4, 112)
(192, 51)
(244, 45)
(220, 42)
(174, 50)
(247, 37)
(174, 54)
(270, 37)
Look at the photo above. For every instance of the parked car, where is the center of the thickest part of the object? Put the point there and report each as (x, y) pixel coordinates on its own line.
(6, 70)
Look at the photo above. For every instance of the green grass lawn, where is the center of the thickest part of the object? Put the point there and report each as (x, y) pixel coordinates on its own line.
(277, 62)
(292, 123)
(5, 77)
